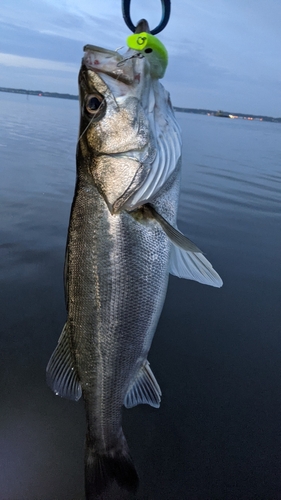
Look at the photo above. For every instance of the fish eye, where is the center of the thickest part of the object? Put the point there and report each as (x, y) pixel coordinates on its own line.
(95, 103)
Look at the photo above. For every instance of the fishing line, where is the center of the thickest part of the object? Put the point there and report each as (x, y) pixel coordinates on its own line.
(85, 130)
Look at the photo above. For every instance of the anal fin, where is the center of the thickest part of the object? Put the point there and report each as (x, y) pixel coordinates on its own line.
(60, 373)
(144, 389)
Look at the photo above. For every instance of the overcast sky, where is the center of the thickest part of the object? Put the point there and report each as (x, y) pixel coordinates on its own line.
(223, 54)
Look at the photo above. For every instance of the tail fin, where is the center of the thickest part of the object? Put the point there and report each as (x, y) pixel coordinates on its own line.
(101, 469)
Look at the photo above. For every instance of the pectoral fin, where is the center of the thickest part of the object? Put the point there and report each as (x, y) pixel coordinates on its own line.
(173, 234)
(193, 266)
(144, 389)
(187, 261)
(61, 374)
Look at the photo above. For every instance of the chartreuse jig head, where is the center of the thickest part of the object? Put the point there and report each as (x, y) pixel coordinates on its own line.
(152, 49)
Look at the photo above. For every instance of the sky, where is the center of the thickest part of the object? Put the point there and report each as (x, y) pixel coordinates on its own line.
(223, 54)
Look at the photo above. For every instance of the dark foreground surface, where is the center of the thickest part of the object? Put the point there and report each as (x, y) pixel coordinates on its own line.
(216, 353)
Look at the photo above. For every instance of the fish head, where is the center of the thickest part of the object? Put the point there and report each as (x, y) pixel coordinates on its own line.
(112, 102)
(118, 140)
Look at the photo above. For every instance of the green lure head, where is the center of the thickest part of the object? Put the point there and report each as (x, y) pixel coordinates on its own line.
(152, 49)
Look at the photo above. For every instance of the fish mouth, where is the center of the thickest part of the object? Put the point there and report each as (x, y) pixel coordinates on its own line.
(108, 62)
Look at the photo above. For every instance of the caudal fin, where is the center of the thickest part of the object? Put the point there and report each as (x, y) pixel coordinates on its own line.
(101, 469)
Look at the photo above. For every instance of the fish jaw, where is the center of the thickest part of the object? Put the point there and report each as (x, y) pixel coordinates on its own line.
(109, 63)
(128, 75)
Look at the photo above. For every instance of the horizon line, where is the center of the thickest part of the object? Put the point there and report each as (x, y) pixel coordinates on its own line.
(219, 113)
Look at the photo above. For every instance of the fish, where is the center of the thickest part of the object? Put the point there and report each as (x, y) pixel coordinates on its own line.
(122, 244)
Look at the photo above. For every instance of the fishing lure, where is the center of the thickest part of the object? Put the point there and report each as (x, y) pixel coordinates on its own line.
(151, 48)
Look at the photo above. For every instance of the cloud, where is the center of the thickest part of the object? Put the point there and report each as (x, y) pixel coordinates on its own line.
(31, 43)
(33, 63)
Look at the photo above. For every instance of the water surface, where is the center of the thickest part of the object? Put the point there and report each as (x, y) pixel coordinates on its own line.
(216, 352)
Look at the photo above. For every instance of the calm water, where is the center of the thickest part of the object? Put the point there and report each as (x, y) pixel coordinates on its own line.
(216, 352)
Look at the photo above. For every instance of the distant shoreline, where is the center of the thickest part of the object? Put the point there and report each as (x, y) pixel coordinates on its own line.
(209, 112)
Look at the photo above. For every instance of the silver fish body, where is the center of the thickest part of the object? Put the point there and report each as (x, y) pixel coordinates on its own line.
(119, 254)
(116, 294)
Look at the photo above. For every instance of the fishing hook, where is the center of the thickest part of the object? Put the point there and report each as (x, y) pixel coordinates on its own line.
(166, 10)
